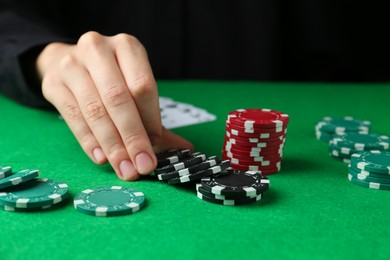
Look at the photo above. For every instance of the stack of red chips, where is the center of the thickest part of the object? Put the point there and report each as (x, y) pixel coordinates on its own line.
(254, 139)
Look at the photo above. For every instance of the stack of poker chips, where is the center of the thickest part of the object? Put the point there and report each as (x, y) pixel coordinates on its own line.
(329, 126)
(233, 187)
(370, 169)
(216, 181)
(254, 139)
(343, 146)
(23, 191)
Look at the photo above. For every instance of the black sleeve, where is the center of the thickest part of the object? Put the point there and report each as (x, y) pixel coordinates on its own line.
(23, 34)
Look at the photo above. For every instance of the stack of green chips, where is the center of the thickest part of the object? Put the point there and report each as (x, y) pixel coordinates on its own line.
(329, 126)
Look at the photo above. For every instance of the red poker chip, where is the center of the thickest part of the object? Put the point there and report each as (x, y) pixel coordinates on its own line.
(243, 128)
(272, 157)
(253, 149)
(255, 134)
(254, 168)
(254, 154)
(263, 138)
(248, 144)
(259, 146)
(251, 118)
(263, 165)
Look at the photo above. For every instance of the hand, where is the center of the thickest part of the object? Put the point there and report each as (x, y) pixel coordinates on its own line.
(105, 90)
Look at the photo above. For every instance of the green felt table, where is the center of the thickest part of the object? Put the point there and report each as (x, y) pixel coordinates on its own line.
(311, 210)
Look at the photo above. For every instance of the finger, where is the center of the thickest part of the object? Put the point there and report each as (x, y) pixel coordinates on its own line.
(169, 140)
(78, 80)
(119, 103)
(134, 64)
(66, 104)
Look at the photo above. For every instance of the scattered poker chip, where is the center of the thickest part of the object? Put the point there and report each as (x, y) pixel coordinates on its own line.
(368, 177)
(329, 126)
(109, 201)
(235, 182)
(18, 178)
(210, 162)
(14, 209)
(360, 142)
(222, 166)
(244, 201)
(194, 159)
(40, 192)
(371, 185)
(204, 192)
(5, 171)
(343, 125)
(171, 156)
(373, 161)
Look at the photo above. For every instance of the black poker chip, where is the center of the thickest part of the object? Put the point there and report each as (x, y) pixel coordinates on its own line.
(238, 196)
(171, 156)
(220, 167)
(234, 182)
(227, 202)
(210, 162)
(193, 159)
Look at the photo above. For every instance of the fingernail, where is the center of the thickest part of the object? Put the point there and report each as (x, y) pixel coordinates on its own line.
(98, 154)
(127, 169)
(144, 163)
(154, 139)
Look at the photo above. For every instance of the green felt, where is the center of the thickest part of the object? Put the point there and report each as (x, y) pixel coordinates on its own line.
(311, 210)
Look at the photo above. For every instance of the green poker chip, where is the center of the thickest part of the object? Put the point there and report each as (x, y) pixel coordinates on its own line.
(36, 193)
(5, 171)
(109, 201)
(343, 125)
(18, 178)
(372, 161)
(368, 177)
(14, 209)
(361, 142)
(367, 184)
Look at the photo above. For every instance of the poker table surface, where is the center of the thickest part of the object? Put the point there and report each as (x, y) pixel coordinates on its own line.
(311, 211)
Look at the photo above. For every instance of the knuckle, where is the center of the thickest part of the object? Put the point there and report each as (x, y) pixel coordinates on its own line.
(95, 111)
(115, 96)
(68, 61)
(134, 140)
(90, 39)
(142, 86)
(127, 39)
(71, 112)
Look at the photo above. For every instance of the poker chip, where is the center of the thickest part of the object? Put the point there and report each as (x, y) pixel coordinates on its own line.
(194, 159)
(5, 171)
(368, 176)
(202, 173)
(109, 201)
(18, 178)
(171, 156)
(210, 162)
(254, 139)
(251, 118)
(368, 184)
(329, 126)
(342, 146)
(361, 142)
(40, 192)
(229, 202)
(236, 182)
(201, 190)
(373, 161)
(14, 209)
